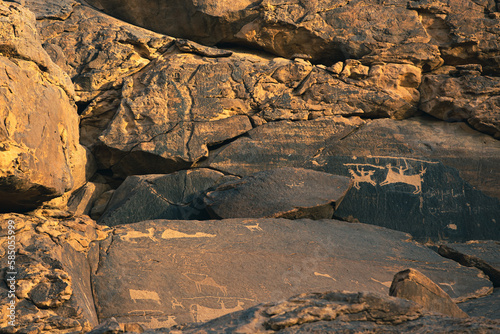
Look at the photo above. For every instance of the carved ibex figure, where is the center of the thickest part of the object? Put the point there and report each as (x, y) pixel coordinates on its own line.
(362, 177)
(399, 177)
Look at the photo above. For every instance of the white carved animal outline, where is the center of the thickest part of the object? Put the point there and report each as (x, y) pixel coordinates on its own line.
(399, 177)
(204, 280)
(362, 177)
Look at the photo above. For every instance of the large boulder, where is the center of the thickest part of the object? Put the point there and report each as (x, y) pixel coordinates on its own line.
(279, 193)
(40, 154)
(200, 270)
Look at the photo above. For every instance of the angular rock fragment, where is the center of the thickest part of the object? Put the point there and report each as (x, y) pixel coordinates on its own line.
(173, 196)
(412, 285)
(279, 193)
(186, 279)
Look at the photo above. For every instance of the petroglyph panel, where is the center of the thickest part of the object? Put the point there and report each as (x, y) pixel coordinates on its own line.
(420, 196)
(244, 262)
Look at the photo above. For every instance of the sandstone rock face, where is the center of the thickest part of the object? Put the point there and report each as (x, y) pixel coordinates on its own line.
(404, 173)
(412, 285)
(279, 193)
(463, 95)
(173, 196)
(40, 154)
(327, 31)
(52, 287)
(186, 278)
(323, 30)
(339, 312)
(194, 103)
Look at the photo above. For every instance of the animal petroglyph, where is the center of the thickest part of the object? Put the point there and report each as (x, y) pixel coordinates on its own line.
(400, 177)
(173, 234)
(136, 235)
(362, 177)
(176, 303)
(144, 295)
(202, 280)
(254, 228)
(324, 275)
(202, 313)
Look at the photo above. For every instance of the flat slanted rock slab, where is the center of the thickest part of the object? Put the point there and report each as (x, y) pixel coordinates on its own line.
(279, 193)
(161, 273)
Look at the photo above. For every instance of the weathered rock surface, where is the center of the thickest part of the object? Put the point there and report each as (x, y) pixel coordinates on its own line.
(487, 306)
(186, 277)
(463, 95)
(40, 155)
(339, 312)
(430, 189)
(328, 31)
(280, 144)
(173, 196)
(412, 285)
(473, 261)
(194, 102)
(51, 273)
(321, 30)
(290, 193)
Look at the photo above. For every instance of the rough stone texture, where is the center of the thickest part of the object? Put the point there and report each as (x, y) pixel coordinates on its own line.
(487, 306)
(325, 31)
(173, 196)
(463, 95)
(280, 144)
(279, 193)
(53, 290)
(412, 285)
(339, 312)
(473, 261)
(186, 277)
(441, 163)
(194, 102)
(40, 154)
(97, 52)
